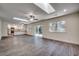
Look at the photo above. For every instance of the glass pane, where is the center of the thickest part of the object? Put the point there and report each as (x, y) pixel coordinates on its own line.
(61, 26)
(58, 26)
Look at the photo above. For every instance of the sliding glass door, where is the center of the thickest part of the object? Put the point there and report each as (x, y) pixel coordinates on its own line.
(38, 30)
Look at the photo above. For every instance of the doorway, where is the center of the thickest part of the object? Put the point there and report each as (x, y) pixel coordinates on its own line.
(11, 30)
(38, 31)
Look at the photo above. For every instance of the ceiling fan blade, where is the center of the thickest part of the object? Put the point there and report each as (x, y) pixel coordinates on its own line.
(35, 19)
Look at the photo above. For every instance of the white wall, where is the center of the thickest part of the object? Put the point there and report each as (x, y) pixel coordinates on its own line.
(72, 29)
(4, 28)
(0, 29)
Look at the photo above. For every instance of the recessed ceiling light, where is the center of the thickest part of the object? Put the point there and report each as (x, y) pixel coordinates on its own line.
(65, 10)
(20, 19)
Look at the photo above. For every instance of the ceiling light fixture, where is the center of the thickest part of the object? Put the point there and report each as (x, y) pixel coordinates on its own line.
(46, 7)
(31, 19)
(20, 19)
(65, 10)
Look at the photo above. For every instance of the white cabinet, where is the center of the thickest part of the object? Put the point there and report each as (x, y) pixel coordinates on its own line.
(19, 33)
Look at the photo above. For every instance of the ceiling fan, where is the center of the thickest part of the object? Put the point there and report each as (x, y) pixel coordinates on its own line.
(33, 17)
(29, 16)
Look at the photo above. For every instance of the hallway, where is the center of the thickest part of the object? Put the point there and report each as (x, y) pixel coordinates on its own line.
(24, 45)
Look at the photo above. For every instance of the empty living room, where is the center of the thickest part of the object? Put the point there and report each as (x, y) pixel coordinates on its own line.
(39, 29)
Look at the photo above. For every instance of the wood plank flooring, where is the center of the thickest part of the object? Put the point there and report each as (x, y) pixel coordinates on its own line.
(33, 46)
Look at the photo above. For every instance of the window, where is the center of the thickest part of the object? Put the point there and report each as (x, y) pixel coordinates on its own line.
(58, 26)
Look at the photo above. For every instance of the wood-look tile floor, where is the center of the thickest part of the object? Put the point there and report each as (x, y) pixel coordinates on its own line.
(34, 46)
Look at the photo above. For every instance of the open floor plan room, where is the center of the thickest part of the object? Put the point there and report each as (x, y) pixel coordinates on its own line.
(39, 29)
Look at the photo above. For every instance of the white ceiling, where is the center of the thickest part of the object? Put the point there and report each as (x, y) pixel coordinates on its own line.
(21, 10)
